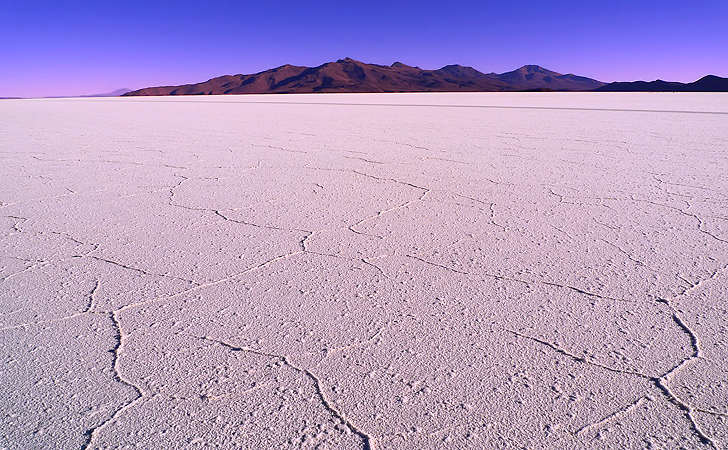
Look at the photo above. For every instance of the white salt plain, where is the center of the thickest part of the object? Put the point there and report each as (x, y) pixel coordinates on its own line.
(385, 271)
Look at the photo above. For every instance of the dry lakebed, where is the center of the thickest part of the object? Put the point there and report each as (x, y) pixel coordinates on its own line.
(365, 271)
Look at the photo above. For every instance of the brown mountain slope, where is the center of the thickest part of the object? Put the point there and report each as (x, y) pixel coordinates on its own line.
(348, 75)
(536, 77)
(228, 84)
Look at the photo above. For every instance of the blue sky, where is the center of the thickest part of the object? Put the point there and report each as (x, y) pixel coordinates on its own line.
(71, 48)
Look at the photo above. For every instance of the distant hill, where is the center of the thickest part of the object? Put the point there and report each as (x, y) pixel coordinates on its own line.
(115, 93)
(348, 75)
(709, 83)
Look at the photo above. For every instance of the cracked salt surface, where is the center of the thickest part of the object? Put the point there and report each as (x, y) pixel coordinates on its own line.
(365, 271)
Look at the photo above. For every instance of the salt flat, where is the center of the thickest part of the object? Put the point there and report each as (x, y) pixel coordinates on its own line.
(378, 271)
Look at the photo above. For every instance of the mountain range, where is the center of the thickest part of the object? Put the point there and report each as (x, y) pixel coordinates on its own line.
(348, 75)
(709, 83)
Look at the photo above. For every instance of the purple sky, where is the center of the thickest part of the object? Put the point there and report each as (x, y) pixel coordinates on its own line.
(73, 48)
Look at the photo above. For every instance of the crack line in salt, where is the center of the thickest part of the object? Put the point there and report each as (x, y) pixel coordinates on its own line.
(516, 280)
(615, 415)
(93, 433)
(658, 382)
(367, 440)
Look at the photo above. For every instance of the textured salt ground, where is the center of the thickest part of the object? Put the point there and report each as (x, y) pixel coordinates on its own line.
(365, 271)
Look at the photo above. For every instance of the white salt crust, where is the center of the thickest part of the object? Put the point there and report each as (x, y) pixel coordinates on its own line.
(377, 271)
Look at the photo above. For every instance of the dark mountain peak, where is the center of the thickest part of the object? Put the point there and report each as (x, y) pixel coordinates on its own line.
(532, 68)
(710, 78)
(462, 71)
(399, 65)
(275, 69)
(711, 83)
(532, 77)
(456, 68)
(529, 68)
(348, 60)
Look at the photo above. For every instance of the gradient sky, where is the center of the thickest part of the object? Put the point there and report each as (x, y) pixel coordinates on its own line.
(59, 48)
